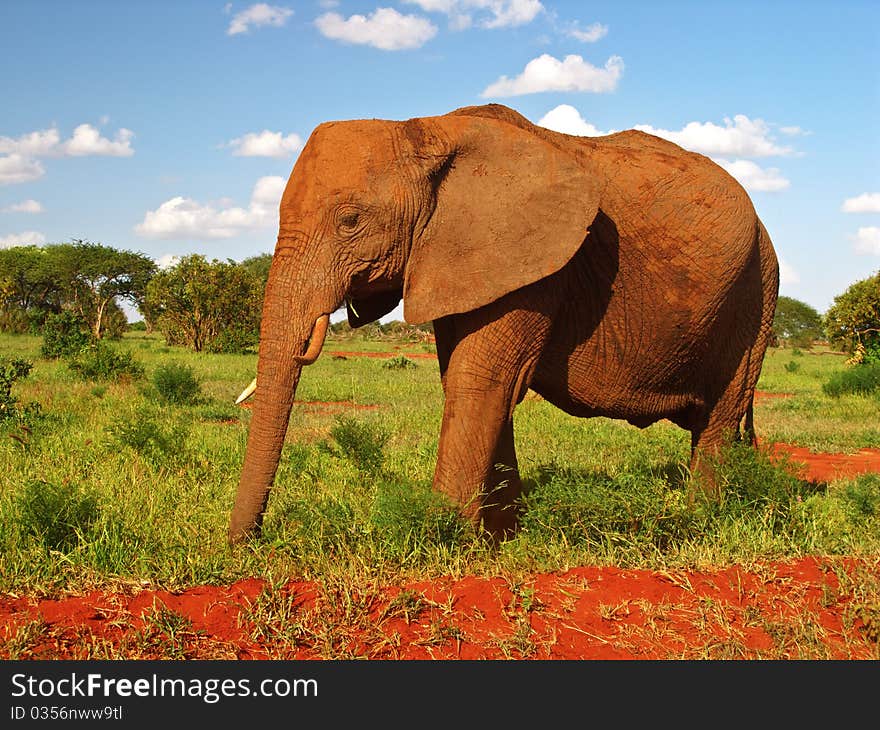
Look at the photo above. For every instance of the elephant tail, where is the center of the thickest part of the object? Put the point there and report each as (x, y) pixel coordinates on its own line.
(749, 423)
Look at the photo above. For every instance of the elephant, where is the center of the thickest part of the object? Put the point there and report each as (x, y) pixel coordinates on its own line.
(618, 276)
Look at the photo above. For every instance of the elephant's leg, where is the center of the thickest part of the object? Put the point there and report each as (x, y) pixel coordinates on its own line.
(719, 426)
(491, 359)
(502, 489)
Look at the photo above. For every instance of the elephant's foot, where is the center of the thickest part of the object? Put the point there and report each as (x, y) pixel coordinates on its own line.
(499, 513)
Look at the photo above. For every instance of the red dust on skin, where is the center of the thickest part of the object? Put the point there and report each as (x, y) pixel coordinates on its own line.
(582, 613)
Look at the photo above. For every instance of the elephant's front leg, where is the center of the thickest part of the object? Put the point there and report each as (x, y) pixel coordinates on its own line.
(487, 359)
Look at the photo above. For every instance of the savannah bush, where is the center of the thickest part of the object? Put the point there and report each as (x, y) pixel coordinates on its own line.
(56, 514)
(409, 519)
(401, 362)
(100, 361)
(160, 441)
(846, 515)
(12, 412)
(858, 380)
(64, 335)
(361, 443)
(176, 384)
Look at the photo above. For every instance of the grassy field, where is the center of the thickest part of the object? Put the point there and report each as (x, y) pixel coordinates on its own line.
(111, 486)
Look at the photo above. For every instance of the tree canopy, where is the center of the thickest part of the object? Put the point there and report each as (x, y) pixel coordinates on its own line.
(84, 277)
(853, 321)
(796, 323)
(206, 305)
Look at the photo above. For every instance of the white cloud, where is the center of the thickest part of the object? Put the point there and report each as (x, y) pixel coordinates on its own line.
(491, 13)
(25, 206)
(507, 13)
(87, 140)
(256, 16)
(26, 238)
(16, 168)
(19, 164)
(740, 137)
(547, 73)
(590, 34)
(182, 217)
(787, 274)
(864, 203)
(868, 240)
(266, 144)
(794, 131)
(753, 177)
(568, 120)
(166, 261)
(41, 143)
(384, 28)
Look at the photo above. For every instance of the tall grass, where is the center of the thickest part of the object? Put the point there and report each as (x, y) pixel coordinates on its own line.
(141, 488)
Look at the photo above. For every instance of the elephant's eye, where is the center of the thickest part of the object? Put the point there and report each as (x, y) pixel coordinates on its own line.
(348, 220)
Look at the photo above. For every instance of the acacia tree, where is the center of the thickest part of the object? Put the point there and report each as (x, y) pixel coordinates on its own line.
(796, 323)
(29, 287)
(95, 277)
(853, 321)
(204, 305)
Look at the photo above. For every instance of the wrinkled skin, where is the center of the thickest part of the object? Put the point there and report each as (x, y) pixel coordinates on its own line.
(616, 276)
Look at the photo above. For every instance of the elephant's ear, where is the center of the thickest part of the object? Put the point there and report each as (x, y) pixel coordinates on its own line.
(511, 208)
(369, 309)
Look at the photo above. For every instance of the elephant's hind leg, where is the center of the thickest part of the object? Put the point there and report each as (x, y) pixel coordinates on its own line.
(719, 426)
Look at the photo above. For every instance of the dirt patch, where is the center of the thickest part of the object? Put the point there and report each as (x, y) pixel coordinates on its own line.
(761, 396)
(385, 355)
(826, 467)
(328, 406)
(798, 609)
(324, 406)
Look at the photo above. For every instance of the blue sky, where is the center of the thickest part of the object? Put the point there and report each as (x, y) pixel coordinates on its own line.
(170, 127)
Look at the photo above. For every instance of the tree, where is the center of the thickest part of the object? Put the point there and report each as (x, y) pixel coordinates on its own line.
(30, 287)
(95, 277)
(204, 305)
(853, 321)
(796, 323)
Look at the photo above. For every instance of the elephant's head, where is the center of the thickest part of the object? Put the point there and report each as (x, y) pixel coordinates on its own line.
(448, 213)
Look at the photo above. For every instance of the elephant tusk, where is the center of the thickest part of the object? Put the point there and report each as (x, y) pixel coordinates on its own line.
(247, 392)
(316, 341)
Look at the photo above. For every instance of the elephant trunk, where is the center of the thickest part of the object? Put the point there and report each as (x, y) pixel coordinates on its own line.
(283, 337)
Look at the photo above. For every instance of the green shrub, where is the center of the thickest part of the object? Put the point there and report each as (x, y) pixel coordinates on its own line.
(755, 486)
(792, 366)
(323, 525)
(858, 380)
(359, 442)
(11, 411)
(176, 383)
(64, 335)
(234, 341)
(159, 443)
(407, 519)
(100, 361)
(139, 326)
(597, 509)
(401, 362)
(57, 514)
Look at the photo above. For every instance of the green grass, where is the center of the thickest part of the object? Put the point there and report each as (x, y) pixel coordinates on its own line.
(811, 417)
(141, 489)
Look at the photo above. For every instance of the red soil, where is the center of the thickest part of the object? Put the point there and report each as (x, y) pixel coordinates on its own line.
(797, 609)
(582, 613)
(346, 353)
